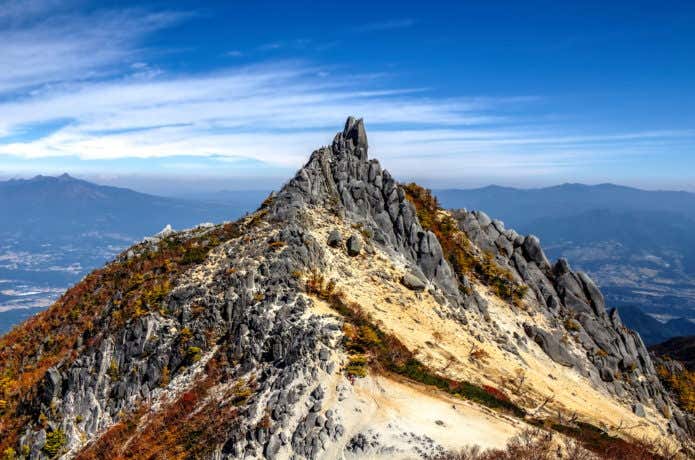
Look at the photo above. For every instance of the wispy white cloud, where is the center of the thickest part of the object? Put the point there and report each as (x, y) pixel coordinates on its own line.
(81, 86)
(61, 48)
(17, 11)
(297, 44)
(271, 46)
(278, 113)
(218, 113)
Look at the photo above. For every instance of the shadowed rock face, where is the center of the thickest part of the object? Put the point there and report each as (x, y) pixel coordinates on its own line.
(354, 131)
(243, 306)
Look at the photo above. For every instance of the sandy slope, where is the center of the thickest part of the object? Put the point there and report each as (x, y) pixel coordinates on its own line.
(373, 280)
(396, 411)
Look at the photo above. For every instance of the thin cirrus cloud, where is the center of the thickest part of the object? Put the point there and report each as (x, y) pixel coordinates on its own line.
(35, 53)
(277, 113)
(265, 111)
(80, 87)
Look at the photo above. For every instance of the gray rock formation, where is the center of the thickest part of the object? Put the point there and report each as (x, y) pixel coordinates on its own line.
(575, 306)
(335, 239)
(342, 178)
(638, 409)
(354, 245)
(413, 282)
(550, 345)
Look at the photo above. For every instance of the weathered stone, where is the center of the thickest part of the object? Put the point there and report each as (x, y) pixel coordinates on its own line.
(354, 131)
(499, 225)
(534, 252)
(166, 232)
(638, 410)
(412, 282)
(483, 219)
(599, 333)
(606, 374)
(354, 245)
(549, 344)
(335, 239)
(597, 301)
(52, 385)
(561, 267)
(504, 245)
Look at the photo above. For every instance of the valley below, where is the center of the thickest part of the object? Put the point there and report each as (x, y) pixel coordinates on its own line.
(59, 229)
(34, 274)
(655, 282)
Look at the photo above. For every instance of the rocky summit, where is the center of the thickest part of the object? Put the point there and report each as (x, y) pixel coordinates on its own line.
(348, 317)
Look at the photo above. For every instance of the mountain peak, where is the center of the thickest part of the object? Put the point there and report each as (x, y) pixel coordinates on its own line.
(355, 132)
(318, 326)
(65, 177)
(342, 178)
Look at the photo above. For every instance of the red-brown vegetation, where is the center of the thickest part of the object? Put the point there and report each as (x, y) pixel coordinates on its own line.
(681, 384)
(108, 297)
(190, 427)
(458, 250)
(538, 444)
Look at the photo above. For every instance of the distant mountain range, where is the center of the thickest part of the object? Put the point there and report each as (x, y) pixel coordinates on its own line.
(54, 230)
(49, 207)
(522, 206)
(654, 331)
(639, 245)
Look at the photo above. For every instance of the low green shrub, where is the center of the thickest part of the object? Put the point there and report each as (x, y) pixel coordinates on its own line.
(55, 440)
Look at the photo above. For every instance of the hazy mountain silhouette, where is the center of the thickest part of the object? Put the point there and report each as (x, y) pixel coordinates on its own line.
(49, 207)
(653, 331)
(523, 206)
(680, 348)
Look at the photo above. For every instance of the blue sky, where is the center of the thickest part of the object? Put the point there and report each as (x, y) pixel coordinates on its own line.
(454, 94)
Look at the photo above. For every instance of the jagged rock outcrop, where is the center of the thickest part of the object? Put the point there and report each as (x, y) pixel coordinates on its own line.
(341, 177)
(234, 337)
(616, 357)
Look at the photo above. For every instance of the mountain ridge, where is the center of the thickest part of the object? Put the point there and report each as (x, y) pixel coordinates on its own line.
(589, 197)
(66, 204)
(678, 348)
(271, 336)
(651, 330)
